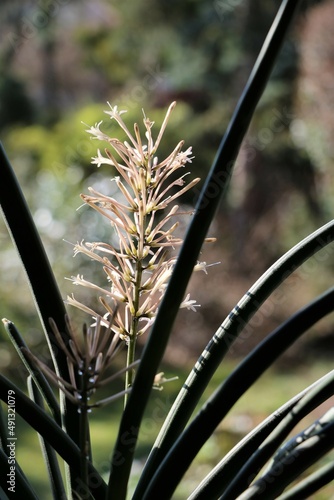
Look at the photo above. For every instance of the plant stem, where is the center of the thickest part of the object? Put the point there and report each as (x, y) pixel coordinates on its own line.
(84, 434)
(129, 376)
(129, 359)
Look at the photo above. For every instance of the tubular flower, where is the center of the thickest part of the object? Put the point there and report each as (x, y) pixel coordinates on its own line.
(138, 268)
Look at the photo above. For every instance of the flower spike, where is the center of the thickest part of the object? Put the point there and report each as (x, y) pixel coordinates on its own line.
(139, 269)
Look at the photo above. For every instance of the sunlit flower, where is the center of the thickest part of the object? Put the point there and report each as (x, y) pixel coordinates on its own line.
(160, 379)
(189, 304)
(138, 268)
(202, 266)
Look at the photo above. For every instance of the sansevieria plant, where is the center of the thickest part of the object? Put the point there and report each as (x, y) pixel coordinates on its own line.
(147, 267)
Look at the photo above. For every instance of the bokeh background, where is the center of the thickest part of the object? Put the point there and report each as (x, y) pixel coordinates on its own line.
(62, 60)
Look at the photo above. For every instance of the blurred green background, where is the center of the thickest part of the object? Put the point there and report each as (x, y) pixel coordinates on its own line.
(62, 60)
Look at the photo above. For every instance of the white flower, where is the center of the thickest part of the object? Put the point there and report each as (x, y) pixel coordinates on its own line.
(184, 156)
(160, 379)
(189, 304)
(95, 131)
(202, 266)
(101, 160)
(114, 113)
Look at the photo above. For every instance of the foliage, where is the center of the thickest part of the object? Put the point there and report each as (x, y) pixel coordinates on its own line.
(77, 367)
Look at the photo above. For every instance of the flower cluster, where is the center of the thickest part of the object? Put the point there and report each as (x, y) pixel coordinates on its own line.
(139, 266)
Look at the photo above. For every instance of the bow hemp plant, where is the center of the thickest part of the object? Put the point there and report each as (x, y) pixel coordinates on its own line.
(138, 268)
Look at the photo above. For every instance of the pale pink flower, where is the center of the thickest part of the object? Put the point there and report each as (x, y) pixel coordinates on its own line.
(138, 270)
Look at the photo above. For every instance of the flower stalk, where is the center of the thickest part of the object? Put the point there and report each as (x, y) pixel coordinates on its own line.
(85, 446)
(138, 266)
